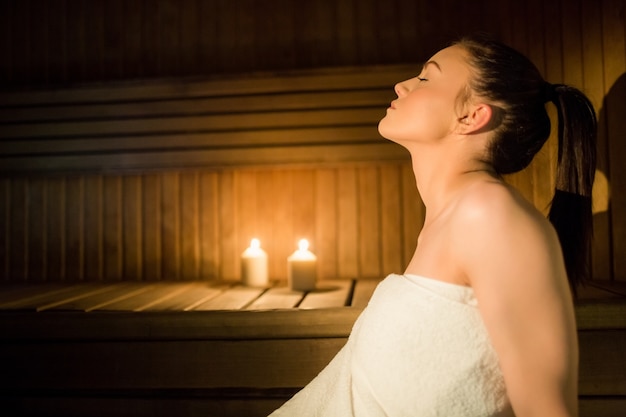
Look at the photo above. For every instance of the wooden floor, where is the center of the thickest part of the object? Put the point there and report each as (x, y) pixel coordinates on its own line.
(181, 296)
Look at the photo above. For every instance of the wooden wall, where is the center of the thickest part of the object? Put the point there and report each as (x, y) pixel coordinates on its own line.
(194, 224)
(66, 42)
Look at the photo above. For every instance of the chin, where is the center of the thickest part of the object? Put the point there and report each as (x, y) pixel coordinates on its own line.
(385, 133)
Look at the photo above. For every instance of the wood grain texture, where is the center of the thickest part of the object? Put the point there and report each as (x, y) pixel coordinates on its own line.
(252, 65)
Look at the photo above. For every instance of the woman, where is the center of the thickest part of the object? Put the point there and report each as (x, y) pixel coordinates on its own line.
(481, 323)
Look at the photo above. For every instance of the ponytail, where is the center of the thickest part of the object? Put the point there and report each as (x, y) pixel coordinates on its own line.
(571, 211)
(515, 86)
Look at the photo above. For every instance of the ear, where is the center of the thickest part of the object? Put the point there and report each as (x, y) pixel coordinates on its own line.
(476, 120)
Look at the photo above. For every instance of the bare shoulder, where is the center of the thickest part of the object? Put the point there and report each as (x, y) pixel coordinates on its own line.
(499, 208)
(493, 222)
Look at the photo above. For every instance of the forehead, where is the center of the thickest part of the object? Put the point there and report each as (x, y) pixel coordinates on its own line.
(450, 59)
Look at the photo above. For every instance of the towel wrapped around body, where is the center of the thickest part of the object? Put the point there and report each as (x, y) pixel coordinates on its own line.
(419, 349)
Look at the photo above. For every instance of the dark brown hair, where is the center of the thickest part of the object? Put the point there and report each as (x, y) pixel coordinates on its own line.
(518, 95)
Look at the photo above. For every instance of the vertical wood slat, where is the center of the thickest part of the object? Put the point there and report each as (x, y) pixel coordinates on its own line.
(170, 225)
(5, 222)
(37, 229)
(94, 228)
(326, 233)
(56, 227)
(132, 227)
(347, 224)
(18, 230)
(189, 226)
(209, 225)
(369, 243)
(112, 230)
(151, 226)
(75, 228)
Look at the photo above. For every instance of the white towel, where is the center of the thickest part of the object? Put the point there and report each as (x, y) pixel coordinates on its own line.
(419, 349)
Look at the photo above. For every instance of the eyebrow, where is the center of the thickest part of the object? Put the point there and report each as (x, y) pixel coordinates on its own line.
(432, 63)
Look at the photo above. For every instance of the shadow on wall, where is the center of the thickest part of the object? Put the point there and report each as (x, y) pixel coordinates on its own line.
(609, 219)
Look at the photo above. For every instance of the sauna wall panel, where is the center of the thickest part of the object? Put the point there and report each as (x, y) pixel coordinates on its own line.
(69, 229)
(194, 224)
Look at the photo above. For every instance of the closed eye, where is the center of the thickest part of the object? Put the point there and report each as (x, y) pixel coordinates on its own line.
(422, 79)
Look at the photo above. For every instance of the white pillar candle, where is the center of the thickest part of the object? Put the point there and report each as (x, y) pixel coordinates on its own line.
(302, 268)
(254, 265)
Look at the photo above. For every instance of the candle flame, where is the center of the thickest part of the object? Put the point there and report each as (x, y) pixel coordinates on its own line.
(255, 243)
(303, 245)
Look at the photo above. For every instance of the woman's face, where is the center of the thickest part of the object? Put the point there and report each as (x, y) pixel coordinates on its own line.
(427, 107)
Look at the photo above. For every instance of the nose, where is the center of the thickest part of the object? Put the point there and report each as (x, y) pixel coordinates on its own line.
(401, 88)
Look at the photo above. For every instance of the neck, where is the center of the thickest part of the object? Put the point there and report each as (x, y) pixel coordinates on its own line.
(443, 170)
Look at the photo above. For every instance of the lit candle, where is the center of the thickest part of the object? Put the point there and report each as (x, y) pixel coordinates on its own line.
(254, 265)
(302, 268)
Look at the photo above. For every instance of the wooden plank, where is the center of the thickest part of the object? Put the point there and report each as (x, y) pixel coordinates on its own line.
(178, 325)
(170, 225)
(363, 290)
(79, 296)
(246, 213)
(190, 139)
(233, 298)
(189, 226)
(41, 296)
(245, 121)
(284, 241)
(213, 157)
(56, 229)
(328, 294)
(151, 296)
(18, 230)
(605, 407)
(391, 219)
(112, 227)
(14, 294)
(229, 255)
(187, 299)
(75, 229)
(119, 294)
(369, 237)
(131, 196)
(129, 403)
(209, 231)
(265, 207)
(37, 214)
(94, 224)
(151, 217)
(329, 79)
(602, 362)
(275, 298)
(83, 297)
(166, 364)
(5, 222)
(231, 363)
(347, 218)
(326, 222)
(181, 106)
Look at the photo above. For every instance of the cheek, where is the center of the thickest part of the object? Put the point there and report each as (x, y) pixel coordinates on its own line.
(416, 120)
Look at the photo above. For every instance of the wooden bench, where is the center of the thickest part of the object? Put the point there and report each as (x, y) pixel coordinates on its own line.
(220, 349)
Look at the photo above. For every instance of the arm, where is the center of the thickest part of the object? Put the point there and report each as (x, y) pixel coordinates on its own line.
(511, 257)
